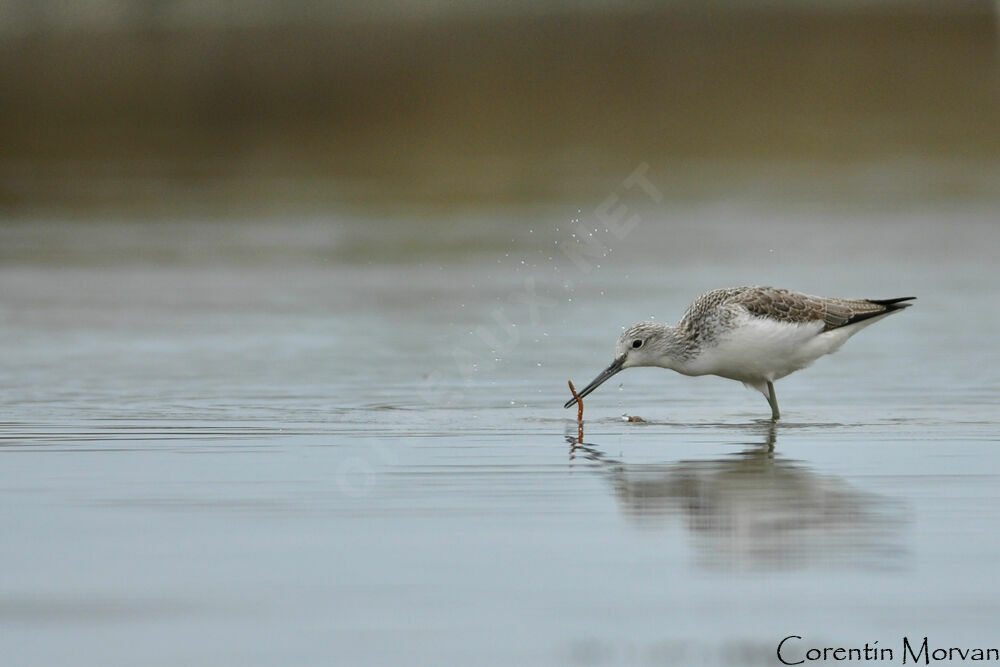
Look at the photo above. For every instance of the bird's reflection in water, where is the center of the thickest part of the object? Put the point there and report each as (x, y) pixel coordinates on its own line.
(755, 508)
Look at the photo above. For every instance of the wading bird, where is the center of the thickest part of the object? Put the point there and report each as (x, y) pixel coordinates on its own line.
(755, 335)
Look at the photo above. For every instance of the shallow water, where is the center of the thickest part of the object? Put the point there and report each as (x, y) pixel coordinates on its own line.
(322, 442)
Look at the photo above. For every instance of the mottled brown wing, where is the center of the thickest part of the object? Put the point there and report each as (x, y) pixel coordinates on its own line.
(786, 306)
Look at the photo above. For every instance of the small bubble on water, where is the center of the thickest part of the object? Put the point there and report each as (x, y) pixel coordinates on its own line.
(539, 364)
(621, 386)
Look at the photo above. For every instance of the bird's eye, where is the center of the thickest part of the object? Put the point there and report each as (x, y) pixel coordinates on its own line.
(637, 342)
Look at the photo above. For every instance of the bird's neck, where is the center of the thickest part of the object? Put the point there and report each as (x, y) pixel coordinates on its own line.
(676, 348)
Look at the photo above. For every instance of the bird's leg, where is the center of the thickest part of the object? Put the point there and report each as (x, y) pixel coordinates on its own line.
(773, 400)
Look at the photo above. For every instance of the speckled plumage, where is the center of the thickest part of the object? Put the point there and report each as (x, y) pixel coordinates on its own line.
(715, 307)
(754, 335)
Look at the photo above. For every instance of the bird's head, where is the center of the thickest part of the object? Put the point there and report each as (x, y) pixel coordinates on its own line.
(642, 344)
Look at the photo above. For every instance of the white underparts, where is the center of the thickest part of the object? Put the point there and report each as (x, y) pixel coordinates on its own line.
(760, 350)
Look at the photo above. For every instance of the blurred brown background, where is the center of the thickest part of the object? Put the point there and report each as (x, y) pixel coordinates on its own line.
(147, 106)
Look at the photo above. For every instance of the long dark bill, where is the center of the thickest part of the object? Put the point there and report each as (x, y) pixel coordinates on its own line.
(615, 366)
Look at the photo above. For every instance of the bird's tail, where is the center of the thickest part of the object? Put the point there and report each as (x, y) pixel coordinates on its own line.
(888, 306)
(893, 304)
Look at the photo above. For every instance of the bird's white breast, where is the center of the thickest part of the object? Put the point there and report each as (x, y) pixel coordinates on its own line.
(756, 349)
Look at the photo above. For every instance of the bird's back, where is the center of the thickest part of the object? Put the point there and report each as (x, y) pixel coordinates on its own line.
(782, 305)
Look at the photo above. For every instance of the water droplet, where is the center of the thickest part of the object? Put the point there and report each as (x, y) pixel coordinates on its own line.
(539, 364)
(621, 386)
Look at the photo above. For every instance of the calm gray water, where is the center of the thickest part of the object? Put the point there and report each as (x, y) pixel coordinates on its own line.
(339, 441)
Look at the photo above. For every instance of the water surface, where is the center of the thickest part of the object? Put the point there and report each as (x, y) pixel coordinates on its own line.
(325, 442)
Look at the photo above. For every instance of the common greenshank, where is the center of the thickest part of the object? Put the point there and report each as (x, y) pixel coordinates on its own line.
(754, 335)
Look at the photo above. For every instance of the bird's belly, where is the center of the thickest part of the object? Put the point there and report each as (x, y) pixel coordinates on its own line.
(762, 350)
